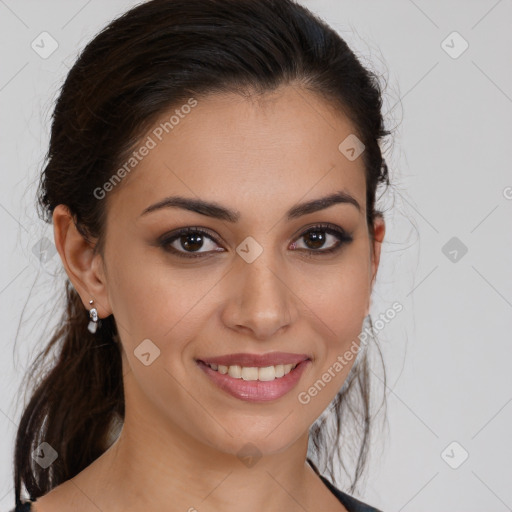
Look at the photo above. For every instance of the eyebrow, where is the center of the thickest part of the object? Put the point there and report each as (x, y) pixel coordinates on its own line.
(212, 209)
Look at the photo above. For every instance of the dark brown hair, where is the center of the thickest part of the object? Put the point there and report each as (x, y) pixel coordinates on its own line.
(151, 58)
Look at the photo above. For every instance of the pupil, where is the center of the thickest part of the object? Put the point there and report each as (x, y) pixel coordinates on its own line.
(197, 241)
(317, 237)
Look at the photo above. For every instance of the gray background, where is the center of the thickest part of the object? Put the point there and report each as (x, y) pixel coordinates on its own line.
(448, 353)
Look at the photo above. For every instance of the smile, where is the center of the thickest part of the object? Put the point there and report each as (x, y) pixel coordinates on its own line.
(255, 384)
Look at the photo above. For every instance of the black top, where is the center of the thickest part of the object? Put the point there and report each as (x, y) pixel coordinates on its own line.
(350, 503)
(25, 507)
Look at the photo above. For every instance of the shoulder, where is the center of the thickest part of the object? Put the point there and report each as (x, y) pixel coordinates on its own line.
(349, 502)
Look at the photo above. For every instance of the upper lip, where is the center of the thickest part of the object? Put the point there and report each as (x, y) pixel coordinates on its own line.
(256, 360)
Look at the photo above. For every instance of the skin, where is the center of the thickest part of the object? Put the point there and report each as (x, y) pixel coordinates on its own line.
(179, 444)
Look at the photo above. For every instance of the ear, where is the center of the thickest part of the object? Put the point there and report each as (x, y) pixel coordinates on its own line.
(379, 228)
(83, 267)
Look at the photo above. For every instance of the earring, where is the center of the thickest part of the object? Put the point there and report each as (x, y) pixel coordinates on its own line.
(93, 315)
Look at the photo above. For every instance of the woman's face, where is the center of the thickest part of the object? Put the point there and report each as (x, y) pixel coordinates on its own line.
(242, 285)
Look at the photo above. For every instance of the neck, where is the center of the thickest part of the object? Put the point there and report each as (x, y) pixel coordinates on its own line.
(150, 467)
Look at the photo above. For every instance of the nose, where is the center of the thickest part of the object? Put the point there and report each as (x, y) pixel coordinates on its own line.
(260, 300)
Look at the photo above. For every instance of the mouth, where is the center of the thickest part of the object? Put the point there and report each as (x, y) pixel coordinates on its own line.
(255, 383)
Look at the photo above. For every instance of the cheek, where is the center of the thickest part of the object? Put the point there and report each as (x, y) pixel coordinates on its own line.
(336, 300)
(339, 304)
(338, 322)
(337, 295)
(150, 297)
(157, 311)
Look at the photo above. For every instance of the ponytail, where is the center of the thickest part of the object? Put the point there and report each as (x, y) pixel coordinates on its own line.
(74, 407)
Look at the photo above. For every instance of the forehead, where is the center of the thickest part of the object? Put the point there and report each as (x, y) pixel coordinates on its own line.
(273, 149)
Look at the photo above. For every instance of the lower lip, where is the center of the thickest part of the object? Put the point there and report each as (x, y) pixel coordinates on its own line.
(256, 390)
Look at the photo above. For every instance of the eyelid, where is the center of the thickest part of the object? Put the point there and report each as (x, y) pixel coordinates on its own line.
(320, 226)
(188, 229)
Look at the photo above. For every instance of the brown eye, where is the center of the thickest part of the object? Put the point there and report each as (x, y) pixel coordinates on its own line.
(191, 242)
(315, 239)
(188, 241)
(317, 236)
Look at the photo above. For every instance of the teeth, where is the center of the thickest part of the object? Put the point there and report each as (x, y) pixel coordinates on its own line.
(266, 373)
(235, 371)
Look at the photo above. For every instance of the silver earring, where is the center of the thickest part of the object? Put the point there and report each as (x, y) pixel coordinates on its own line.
(93, 315)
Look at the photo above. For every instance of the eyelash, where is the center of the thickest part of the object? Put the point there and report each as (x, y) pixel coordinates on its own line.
(342, 236)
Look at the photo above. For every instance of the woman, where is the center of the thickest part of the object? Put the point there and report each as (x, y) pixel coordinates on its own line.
(211, 179)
